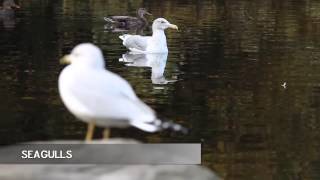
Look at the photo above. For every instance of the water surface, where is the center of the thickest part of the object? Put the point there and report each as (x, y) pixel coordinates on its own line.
(227, 65)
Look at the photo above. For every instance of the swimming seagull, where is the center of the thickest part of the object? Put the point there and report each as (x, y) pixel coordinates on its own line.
(157, 43)
(100, 97)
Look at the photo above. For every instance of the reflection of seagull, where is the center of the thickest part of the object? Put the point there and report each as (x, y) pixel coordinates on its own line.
(157, 62)
(284, 85)
(100, 97)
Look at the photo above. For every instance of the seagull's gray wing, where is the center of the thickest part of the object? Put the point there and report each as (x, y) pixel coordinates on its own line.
(135, 41)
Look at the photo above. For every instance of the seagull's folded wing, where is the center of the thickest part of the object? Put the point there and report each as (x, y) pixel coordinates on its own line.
(136, 42)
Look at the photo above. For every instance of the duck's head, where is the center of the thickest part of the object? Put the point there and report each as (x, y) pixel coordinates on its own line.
(10, 4)
(162, 24)
(142, 11)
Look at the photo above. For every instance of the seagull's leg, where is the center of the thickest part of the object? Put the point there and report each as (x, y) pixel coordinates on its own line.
(106, 133)
(90, 131)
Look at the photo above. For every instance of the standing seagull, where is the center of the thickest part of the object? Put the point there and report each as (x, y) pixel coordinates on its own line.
(100, 97)
(157, 43)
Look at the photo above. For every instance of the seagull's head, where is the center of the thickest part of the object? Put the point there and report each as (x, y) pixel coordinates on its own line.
(162, 24)
(85, 54)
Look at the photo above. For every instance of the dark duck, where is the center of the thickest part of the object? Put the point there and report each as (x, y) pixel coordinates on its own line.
(129, 22)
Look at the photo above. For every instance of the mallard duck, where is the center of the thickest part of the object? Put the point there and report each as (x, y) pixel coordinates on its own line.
(129, 22)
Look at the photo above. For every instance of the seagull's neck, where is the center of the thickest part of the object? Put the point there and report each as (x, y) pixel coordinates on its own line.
(159, 35)
(158, 42)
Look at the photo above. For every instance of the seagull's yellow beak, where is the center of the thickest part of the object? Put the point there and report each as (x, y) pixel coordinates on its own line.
(65, 59)
(173, 26)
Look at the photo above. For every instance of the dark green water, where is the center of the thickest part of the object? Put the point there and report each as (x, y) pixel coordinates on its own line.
(228, 63)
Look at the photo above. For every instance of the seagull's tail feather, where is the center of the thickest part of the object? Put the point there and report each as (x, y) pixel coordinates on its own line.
(109, 20)
(123, 58)
(169, 125)
(124, 37)
(126, 60)
(158, 125)
(145, 126)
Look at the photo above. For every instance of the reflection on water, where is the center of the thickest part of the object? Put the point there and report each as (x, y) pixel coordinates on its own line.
(8, 19)
(7, 13)
(230, 59)
(157, 62)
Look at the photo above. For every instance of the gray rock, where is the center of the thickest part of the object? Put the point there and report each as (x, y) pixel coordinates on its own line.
(104, 172)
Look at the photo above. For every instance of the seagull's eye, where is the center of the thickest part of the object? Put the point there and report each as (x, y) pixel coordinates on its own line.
(162, 22)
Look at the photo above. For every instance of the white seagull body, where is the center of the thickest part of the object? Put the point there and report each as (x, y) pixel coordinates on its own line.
(94, 94)
(157, 43)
